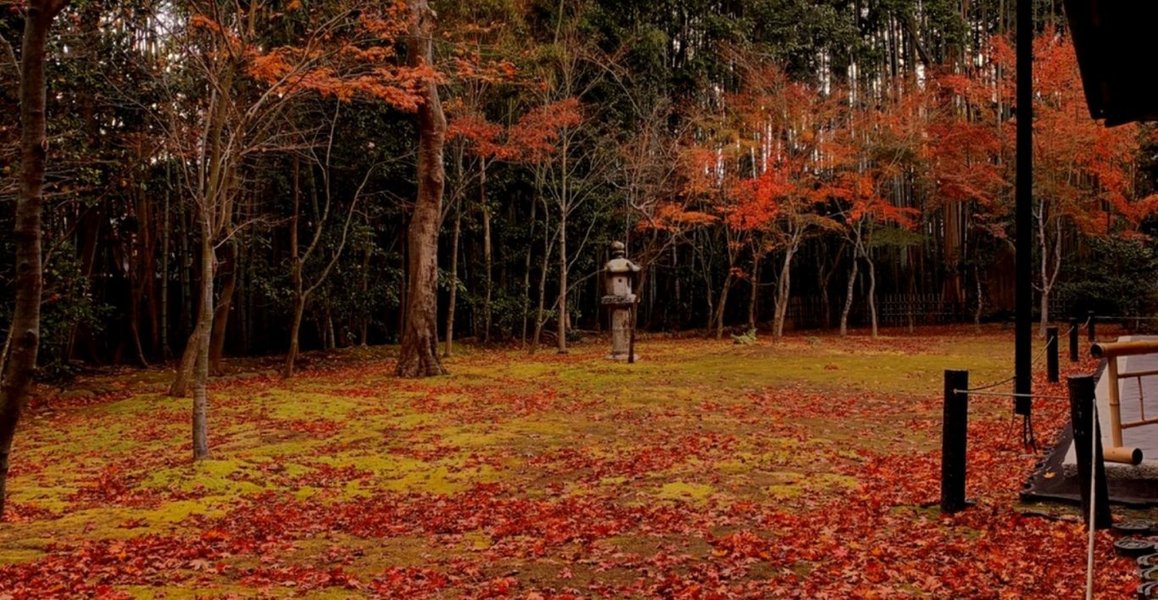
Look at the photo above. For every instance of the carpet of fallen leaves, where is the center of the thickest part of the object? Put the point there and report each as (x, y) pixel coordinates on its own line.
(808, 468)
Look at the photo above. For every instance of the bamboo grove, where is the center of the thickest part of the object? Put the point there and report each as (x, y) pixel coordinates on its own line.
(229, 178)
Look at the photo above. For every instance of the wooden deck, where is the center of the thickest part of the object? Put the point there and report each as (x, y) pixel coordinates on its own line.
(1130, 390)
(1137, 396)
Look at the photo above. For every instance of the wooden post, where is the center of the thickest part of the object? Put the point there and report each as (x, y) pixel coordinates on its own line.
(1115, 401)
(1081, 391)
(1074, 326)
(1093, 334)
(1051, 353)
(954, 428)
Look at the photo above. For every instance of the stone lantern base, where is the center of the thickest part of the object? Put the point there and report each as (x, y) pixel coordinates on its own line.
(621, 332)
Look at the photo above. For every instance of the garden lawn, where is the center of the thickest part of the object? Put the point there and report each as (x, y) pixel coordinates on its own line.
(807, 468)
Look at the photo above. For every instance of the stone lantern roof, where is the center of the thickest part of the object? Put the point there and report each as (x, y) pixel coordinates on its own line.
(619, 263)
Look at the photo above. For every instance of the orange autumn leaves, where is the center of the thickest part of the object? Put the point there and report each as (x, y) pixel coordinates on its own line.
(834, 152)
(531, 139)
(348, 56)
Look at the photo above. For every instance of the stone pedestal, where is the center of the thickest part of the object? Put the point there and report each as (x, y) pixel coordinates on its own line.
(620, 332)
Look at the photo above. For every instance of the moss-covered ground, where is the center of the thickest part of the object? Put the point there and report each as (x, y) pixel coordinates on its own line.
(802, 468)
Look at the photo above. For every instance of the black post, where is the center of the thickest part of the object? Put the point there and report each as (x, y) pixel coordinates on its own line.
(1074, 326)
(954, 426)
(1081, 389)
(1023, 290)
(1090, 329)
(1051, 353)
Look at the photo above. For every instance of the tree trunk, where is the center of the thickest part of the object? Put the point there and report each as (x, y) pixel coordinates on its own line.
(723, 304)
(331, 335)
(488, 253)
(752, 297)
(364, 337)
(222, 310)
(295, 335)
(783, 293)
(872, 292)
(453, 299)
(166, 352)
(201, 342)
(296, 266)
(19, 364)
(527, 274)
(184, 375)
(186, 266)
(419, 354)
(980, 300)
(141, 276)
(561, 315)
(849, 294)
(544, 268)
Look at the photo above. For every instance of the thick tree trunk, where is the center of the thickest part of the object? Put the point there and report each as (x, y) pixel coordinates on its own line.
(19, 363)
(419, 353)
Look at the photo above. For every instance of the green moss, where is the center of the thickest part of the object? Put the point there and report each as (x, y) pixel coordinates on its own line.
(833, 481)
(382, 465)
(680, 490)
(414, 420)
(54, 499)
(783, 491)
(12, 556)
(301, 404)
(211, 476)
(110, 523)
(437, 480)
(604, 410)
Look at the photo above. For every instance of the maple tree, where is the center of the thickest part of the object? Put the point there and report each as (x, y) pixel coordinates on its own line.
(885, 141)
(419, 352)
(795, 173)
(1081, 169)
(478, 71)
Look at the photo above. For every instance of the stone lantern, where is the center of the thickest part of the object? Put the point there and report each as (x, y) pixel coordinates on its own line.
(619, 275)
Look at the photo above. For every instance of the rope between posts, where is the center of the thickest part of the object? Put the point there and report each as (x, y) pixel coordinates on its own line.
(1007, 395)
(1036, 359)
